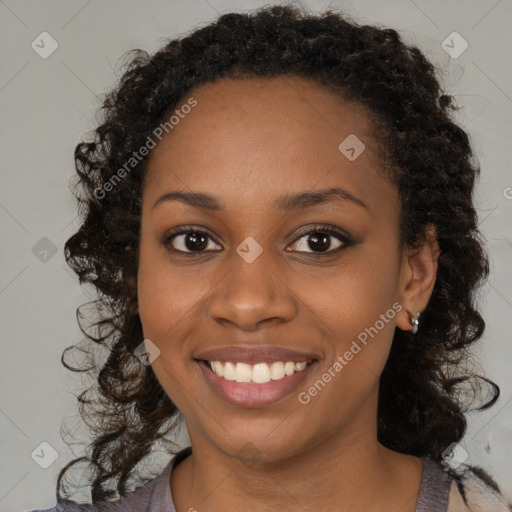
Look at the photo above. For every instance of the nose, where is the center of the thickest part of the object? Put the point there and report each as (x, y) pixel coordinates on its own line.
(252, 294)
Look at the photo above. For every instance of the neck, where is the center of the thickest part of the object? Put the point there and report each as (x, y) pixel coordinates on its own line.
(342, 473)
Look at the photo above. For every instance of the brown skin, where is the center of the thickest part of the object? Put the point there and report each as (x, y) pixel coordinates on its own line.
(248, 142)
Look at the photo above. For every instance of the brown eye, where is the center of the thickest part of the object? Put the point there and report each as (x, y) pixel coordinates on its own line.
(319, 240)
(190, 240)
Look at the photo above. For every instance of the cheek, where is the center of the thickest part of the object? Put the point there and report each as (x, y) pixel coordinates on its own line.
(356, 306)
(166, 293)
(356, 311)
(154, 303)
(353, 295)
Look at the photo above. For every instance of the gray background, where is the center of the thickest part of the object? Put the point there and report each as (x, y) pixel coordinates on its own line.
(46, 106)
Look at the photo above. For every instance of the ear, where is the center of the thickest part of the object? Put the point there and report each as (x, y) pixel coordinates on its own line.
(417, 278)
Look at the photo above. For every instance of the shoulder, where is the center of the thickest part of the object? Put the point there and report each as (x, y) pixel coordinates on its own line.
(135, 501)
(473, 490)
(155, 494)
(77, 507)
(132, 502)
(72, 507)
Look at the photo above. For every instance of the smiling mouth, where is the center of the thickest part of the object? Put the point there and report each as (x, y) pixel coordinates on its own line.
(259, 373)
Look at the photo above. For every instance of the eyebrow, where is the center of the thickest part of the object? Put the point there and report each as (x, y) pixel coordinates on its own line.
(285, 202)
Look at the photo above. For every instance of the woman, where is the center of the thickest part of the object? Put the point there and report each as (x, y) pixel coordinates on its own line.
(279, 221)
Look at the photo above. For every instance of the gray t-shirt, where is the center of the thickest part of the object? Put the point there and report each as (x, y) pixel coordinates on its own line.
(437, 489)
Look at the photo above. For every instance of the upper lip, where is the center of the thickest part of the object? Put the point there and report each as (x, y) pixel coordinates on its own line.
(254, 354)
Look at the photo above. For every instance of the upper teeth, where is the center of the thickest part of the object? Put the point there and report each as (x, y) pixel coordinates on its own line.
(259, 373)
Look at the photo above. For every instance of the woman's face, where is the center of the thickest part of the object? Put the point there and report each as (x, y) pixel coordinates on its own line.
(262, 277)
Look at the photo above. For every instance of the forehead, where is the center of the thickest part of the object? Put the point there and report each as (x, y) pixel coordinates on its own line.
(253, 138)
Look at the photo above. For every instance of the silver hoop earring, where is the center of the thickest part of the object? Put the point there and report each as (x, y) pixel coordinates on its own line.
(415, 321)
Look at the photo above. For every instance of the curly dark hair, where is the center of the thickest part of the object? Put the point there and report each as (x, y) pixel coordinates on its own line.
(423, 393)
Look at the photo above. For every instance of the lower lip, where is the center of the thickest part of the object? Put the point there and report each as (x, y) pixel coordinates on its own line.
(250, 394)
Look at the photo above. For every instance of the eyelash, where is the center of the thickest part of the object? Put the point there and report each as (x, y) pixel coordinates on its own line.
(320, 229)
